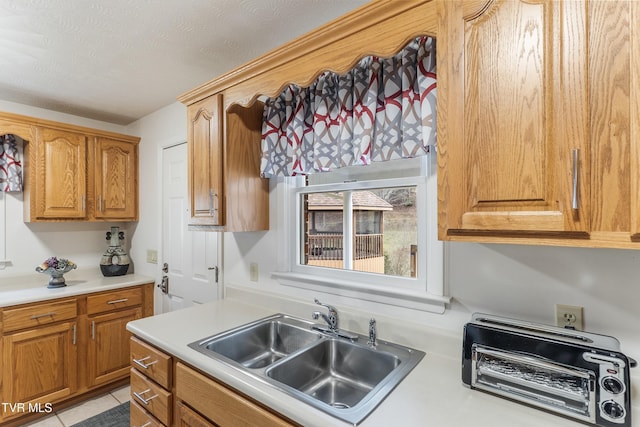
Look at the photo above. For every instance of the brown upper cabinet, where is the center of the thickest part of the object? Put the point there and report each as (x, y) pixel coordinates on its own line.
(225, 189)
(73, 173)
(116, 179)
(513, 144)
(205, 161)
(59, 186)
(538, 123)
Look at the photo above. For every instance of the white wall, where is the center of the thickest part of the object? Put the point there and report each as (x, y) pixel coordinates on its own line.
(163, 128)
(27, 245)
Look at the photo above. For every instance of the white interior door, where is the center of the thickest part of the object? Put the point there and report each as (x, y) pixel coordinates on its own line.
(190, 258)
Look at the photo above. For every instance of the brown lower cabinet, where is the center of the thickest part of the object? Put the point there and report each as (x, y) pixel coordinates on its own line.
(165, 391)
(57, 351)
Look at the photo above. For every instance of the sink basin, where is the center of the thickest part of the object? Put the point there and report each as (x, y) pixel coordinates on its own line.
(344, 378)
(338, 373)
(262, 343)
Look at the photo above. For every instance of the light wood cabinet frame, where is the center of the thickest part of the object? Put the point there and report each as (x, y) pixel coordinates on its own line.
(74, 173)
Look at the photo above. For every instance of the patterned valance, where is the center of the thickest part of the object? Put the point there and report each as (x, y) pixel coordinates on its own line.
(383, 109)
(10, 166)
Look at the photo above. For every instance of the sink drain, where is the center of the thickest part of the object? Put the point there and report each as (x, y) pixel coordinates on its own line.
(340, 405)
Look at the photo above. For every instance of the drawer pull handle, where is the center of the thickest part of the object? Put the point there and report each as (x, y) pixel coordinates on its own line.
(116, 301)
(140, 362)
(39, 316)
(142, 399)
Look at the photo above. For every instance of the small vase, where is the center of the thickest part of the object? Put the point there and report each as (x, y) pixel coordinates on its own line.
(56, 279)
(114, 261)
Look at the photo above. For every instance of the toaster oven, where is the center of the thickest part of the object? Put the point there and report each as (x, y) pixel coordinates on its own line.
(576, 374)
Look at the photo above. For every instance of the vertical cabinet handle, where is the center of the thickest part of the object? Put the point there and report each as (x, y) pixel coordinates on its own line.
(74, 334)
(83, 203)
(213, 202)
(576, 170)
(99, 203)
(93, 330)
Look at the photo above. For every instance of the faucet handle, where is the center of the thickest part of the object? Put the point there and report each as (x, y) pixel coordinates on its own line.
(332, 319)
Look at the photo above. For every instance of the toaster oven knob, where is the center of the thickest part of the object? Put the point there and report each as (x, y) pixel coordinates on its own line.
(613, 409)
(612, 385)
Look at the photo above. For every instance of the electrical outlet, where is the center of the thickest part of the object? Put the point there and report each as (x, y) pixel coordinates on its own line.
(570, 316)
(253, 271)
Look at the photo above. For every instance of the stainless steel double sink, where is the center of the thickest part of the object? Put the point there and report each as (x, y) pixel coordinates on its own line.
(345, 378)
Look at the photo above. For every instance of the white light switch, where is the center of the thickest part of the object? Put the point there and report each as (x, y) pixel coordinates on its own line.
(152, 256)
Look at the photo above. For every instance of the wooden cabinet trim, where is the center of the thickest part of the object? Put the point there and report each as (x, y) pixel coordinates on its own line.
(381, 28)
(20, 120)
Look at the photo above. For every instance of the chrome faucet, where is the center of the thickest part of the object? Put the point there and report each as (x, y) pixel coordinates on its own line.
(332, 322)
(331, 319)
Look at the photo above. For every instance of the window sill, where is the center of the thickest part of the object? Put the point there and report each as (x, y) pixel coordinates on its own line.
(397, 297)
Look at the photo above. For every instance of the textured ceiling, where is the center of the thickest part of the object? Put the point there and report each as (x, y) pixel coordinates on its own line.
(119, 60)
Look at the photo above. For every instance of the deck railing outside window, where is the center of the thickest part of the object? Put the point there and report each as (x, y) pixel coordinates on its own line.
(330, 246)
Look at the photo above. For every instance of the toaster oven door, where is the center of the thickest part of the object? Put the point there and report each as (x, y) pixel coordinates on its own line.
(535, 381)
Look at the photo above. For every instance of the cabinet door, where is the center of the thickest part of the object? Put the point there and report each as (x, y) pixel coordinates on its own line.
(39, 365)
(205, 142)
(61, 174)
(513, 119)
(108, 352)
(190, 418)
(116, 174)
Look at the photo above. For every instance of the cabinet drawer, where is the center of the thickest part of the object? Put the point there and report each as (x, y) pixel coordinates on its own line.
(114, 300)
(151, 397)
(220, 404)
(39, 314)
(152, 362)
(139, 417)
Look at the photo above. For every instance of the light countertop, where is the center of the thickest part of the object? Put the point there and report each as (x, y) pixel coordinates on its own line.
(432, 394)
(33, 287)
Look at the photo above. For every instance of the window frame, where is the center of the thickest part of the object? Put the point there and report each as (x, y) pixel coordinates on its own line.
(425, 292)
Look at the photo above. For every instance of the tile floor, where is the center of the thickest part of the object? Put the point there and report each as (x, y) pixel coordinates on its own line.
(80, 412)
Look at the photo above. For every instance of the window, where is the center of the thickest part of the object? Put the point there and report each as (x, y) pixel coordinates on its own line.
(373, 230)
(369, 232)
